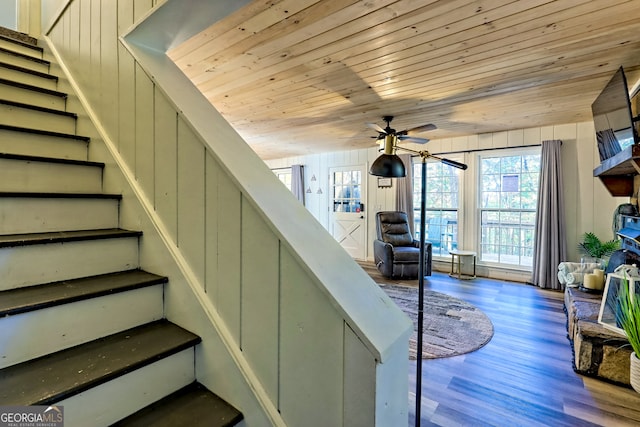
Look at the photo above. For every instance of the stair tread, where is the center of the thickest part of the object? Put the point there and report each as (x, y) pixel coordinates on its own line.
(28, 71)
(63, 374)
(18, 35)
(35, 48)
(22, 55)
(24, 239)
(41, 195)
(44, 132)
(38, 108)
(22, 300)
(192, 405)
(29, 158)
(33, 88)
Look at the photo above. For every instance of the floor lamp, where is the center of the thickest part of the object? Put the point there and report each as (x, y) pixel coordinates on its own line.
(389, 165)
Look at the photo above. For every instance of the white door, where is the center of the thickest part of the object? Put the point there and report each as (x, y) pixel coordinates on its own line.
(347, 217)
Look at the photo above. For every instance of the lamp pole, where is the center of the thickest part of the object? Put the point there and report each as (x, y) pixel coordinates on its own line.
(390, 165)
(423, 186)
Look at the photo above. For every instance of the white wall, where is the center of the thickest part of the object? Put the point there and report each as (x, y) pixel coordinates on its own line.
(29, 17)
(588, 204)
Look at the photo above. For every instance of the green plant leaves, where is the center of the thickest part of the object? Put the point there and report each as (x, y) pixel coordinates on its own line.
(628, 315)
(594, 247)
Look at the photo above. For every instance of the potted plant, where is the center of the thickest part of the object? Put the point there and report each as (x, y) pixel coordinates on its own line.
(596, 252)
(628, 318)
(592, 246)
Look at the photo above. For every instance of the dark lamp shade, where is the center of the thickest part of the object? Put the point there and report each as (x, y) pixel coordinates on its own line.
(388, 166)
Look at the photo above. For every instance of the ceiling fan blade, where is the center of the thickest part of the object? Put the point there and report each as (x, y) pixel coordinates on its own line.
(413, 139)
(376, 127)
(422, 128)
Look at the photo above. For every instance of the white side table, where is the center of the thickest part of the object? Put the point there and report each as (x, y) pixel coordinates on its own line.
(460, 253)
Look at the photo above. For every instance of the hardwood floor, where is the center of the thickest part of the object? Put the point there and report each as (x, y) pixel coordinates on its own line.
(523, 376)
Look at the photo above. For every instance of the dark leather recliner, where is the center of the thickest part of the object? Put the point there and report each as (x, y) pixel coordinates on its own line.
(395, 252)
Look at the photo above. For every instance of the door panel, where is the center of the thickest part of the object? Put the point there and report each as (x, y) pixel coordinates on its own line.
(347, 216)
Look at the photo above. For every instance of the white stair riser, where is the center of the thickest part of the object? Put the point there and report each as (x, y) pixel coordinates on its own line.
(34, 119)
(57, 328)
(26, 175)
(109, 402)
(23, 62)
(30, 97)
(27, 78)
(20, 49)
(37, 264)
(30, 144)
(36, 215)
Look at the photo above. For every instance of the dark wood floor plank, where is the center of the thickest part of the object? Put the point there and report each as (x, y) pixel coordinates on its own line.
(515, 406)
(601, 414)
(524, 375)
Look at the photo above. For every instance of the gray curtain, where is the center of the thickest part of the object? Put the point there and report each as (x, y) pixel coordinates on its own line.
(404, 190)
(297, 182)
(550, 246)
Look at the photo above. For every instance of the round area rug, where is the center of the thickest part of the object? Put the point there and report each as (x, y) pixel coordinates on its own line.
(450, 326)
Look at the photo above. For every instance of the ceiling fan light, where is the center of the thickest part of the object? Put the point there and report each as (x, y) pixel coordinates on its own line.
(388, 166)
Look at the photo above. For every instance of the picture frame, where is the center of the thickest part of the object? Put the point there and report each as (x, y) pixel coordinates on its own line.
(384, 182)
(609, 303)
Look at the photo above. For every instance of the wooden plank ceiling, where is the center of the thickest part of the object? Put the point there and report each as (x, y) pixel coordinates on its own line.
(296, 77)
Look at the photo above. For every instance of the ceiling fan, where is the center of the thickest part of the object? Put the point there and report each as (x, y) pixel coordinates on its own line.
(401, 135)
(389, 164)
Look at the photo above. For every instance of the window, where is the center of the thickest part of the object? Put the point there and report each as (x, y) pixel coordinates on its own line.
(284, 175)
(346, 191)
(441, 207)
(507, 202)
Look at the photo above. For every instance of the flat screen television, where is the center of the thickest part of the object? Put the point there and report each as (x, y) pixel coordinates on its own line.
(613, 118)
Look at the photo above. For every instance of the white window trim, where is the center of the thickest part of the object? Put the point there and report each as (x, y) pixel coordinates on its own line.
(288, 171)
(516, 151)
(458, 157)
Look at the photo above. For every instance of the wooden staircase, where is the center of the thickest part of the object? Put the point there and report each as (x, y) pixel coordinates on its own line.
(81, 325)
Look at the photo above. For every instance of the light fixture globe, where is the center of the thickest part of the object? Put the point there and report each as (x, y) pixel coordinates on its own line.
(388, 166)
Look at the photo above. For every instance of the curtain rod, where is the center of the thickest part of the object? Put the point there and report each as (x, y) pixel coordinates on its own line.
(486, 149)
(458, 152)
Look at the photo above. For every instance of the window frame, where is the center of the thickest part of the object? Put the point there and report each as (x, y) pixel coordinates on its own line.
(511, 152)
(280, 172)
(456, 233)
(346, 192)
